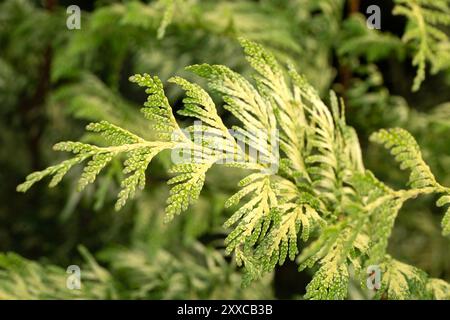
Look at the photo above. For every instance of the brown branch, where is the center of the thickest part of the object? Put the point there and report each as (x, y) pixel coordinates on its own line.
(353, 6)
(30, 106)
(345, 74)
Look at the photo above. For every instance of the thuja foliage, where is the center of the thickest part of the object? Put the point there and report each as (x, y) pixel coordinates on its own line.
(426, 19)
(24, 279)
(310, 200)
(134, 273)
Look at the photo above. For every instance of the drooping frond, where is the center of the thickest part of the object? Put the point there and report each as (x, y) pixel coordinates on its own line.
(424, 31)
(315, 140)
(296, 221)
(211, 142)
(335, 250)
(332, 149)
(255, 216)
(186, 186)
(138, 154)
(338, 247)
(400, 281)
(438, 289)
(407, 152)
(269, 225)
(445, 201)
(381, 206)
(291, 116)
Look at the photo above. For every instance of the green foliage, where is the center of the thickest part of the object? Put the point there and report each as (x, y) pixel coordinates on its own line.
(138, 155)
(445, 200)
(438, 289)
(305, 196)
(197, 273)
(358, 40)
(323, 188)
(25, 279)
(406, 151)
(405, 282)
(167, 17)
(401, 281)
(425, 21)
(133, 274)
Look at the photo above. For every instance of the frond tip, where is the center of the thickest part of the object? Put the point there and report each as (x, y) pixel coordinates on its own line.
(137, 151)
(425, 21)
(329, 283)
(407, 152)
(400, 281)
(443, 201)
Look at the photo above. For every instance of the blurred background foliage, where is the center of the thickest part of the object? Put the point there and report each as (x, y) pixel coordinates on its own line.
(53, 81)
